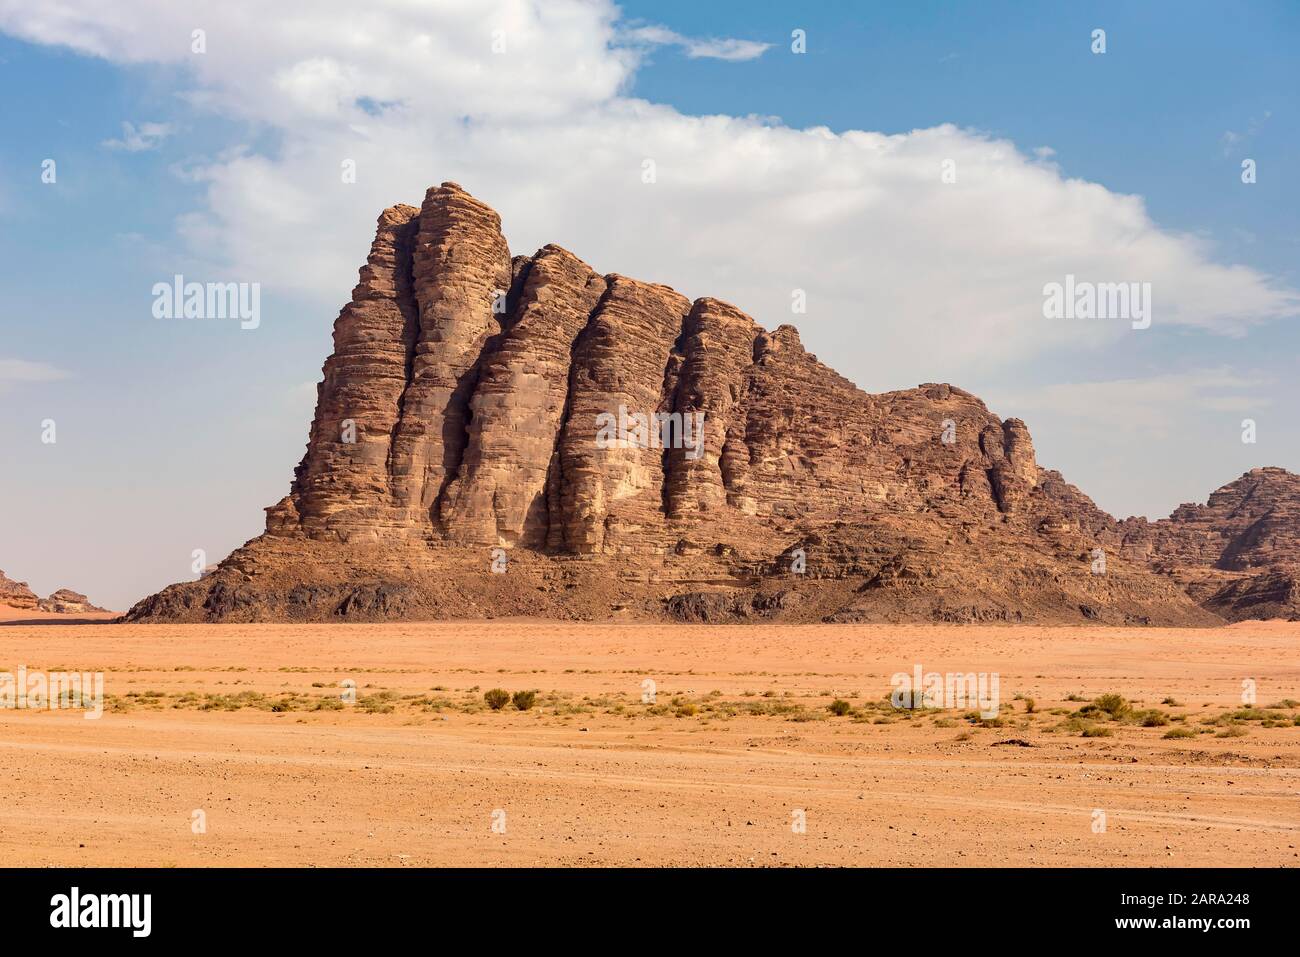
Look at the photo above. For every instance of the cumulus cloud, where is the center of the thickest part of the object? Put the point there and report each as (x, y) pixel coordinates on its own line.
(907, 277)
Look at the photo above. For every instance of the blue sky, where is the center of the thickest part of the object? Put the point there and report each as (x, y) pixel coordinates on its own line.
(173, 436)
(1148, 117)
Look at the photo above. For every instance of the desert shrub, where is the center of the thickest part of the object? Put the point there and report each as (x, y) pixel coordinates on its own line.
(379, 703)
(1180, 733)
(839, 707)
(1096, 731)
(523, 700)
(496, 698)
(801, 715)
(234, 702)
(1113, 704)
(1250, 714)
(435, 702)
(1030, 705)
(1232, 731)
(1152, 719)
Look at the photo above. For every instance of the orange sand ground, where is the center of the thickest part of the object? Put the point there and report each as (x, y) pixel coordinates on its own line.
(610, 780)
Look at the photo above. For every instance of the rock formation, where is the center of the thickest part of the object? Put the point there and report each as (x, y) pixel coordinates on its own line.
(1239, 553)
(460, 465)
(16, 595)
(65, 601)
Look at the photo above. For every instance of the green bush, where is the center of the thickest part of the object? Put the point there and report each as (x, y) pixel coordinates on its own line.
(523, 700)
(839, 707)
(497, 698)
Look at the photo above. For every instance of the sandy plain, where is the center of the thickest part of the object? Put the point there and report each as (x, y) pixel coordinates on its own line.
(252, 731)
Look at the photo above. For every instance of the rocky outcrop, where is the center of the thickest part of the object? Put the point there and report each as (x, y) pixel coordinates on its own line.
(499, 435)
(1239, 553)
(16, 594)
(65, 601)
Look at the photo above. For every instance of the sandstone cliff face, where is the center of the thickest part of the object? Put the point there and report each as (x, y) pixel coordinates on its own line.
(345, 485)
(467, 407)
(517, 411)
(462, 275)
(610, 498)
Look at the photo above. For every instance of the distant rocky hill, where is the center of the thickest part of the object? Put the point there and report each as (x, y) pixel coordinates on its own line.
(64, 601)
(525, 436)
(1239, 553)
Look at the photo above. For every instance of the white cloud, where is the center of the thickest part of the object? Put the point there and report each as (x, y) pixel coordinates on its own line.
(908, 279)
(15, 372)
(696, 48)
(137, 138)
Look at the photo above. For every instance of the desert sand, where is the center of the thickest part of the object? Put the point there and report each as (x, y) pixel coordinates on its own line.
(247, 725)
